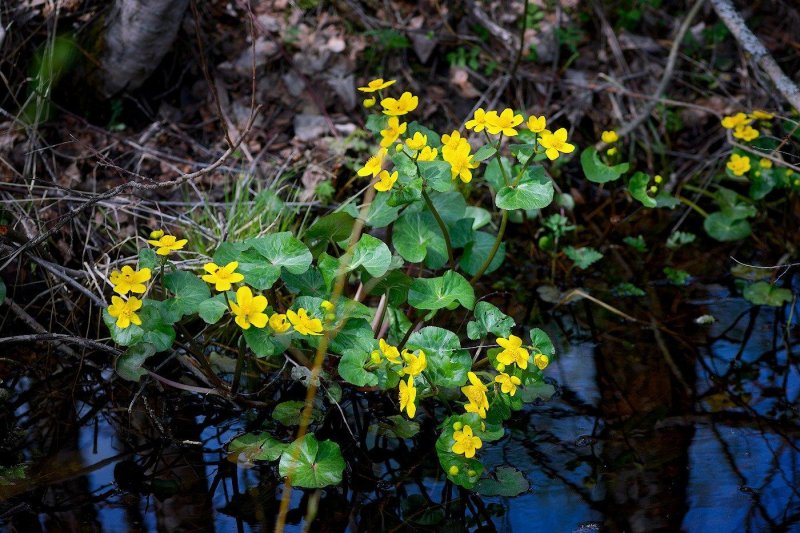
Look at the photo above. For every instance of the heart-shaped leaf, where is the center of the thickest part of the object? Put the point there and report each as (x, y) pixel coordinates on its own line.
(598, 172)
(448, 364)
(438, 293)
(535, 191)
(311, 464)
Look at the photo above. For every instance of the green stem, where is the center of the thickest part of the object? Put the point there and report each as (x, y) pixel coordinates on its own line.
(237, 372)
(495, 247)
(442, 227)
(497, 155)
(693, 205)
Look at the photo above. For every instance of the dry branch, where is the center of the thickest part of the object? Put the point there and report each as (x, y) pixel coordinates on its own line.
(753, 46)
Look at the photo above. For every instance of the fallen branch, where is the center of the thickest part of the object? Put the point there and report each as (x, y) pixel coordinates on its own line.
(753, 46)
(59, 337)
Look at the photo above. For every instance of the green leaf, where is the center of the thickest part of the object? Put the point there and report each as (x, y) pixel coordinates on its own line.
(479, 215)
(335, 227)
(679, 238)
(627, 289)
(733, 206)
(637, 243)
(124, 337)
(398, 426)
(489, 319)
(677, 277)
(637, 186)
(289, 413)
(189, 291)
(148, 259)
(283, 250)
(211, 310)
(533, 392)
(505, 481)
(416, 236)
(437, 175)
(493, 174)
(256, 447)
(434, 141)
(484, 152)
(380, 213)
(522, 152)
(583, 257)
(763, 293)
(356, 334)
(477, 251)
(405, 192)
(722, 228)
(448, 364)
(467, 471)
(311, 464)
(262, 342)
(372, 254)
(309, 283)
(328, 268)
(541, 343)
(352, 368)
(129, 364)
(598, 172)
(535, 191)
(157, 325)
(395, 286)
(437, 293)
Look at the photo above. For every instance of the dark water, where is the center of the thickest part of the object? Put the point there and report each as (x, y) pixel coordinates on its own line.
(695, 428)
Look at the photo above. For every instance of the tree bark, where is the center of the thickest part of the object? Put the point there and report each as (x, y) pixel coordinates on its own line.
(138, 34)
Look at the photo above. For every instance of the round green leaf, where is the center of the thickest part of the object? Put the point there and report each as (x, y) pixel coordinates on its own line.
(416, 236)
(535, 191)
(477, 251)
(637, 186)
(448, 364)
(188, 290)
(129, 364)
(311, 464)
(283, 250)
(437, 293)
(541, 343)
(372, 254)
(437, 175)
(211, 310)
(289, 413)
(489, 319)
(763, 293)
(380, 213)
(351, 369)
(124, 337)
(598, 172)
(256, 447)
(505, 481)
(723, 228)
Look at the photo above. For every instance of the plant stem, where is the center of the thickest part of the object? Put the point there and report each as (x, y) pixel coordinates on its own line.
(693, 205)
(443, 227)
(495, 247)
(237, 372)
(522, 29)
(497, 156)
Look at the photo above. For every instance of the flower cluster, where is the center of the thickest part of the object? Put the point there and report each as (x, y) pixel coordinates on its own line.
(455, 149)
(125, 281)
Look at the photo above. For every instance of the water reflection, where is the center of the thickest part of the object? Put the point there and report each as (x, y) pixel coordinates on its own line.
(654, 428)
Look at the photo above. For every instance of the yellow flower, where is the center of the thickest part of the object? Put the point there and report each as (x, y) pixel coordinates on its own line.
(746, 133)
(388, 351)
(503, 123)
(399, 106)
(460, 160)
(428, 154)
(739, 164)
(453, 470)
(478, 122)
(758, 114)
(327, 306)
(369, 102)
(222, 277)
(417, 142)
(125, 311)
(452, 140)
(739, 119)
(611, 151)
(466, 442)
(541, 361)
(129, 280)
(765, 163)
(376, 85)
(537, 124)
(157, 234)
(416, 363)
(609, 137)
(373, 165)
(303, 324)
(508, 384)
(278, 323)
(476, 394)
(394, 129)
(555, 142)
(513, 352)
(408, 393)
(167, 244)
(385, 181)
(249, 309)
